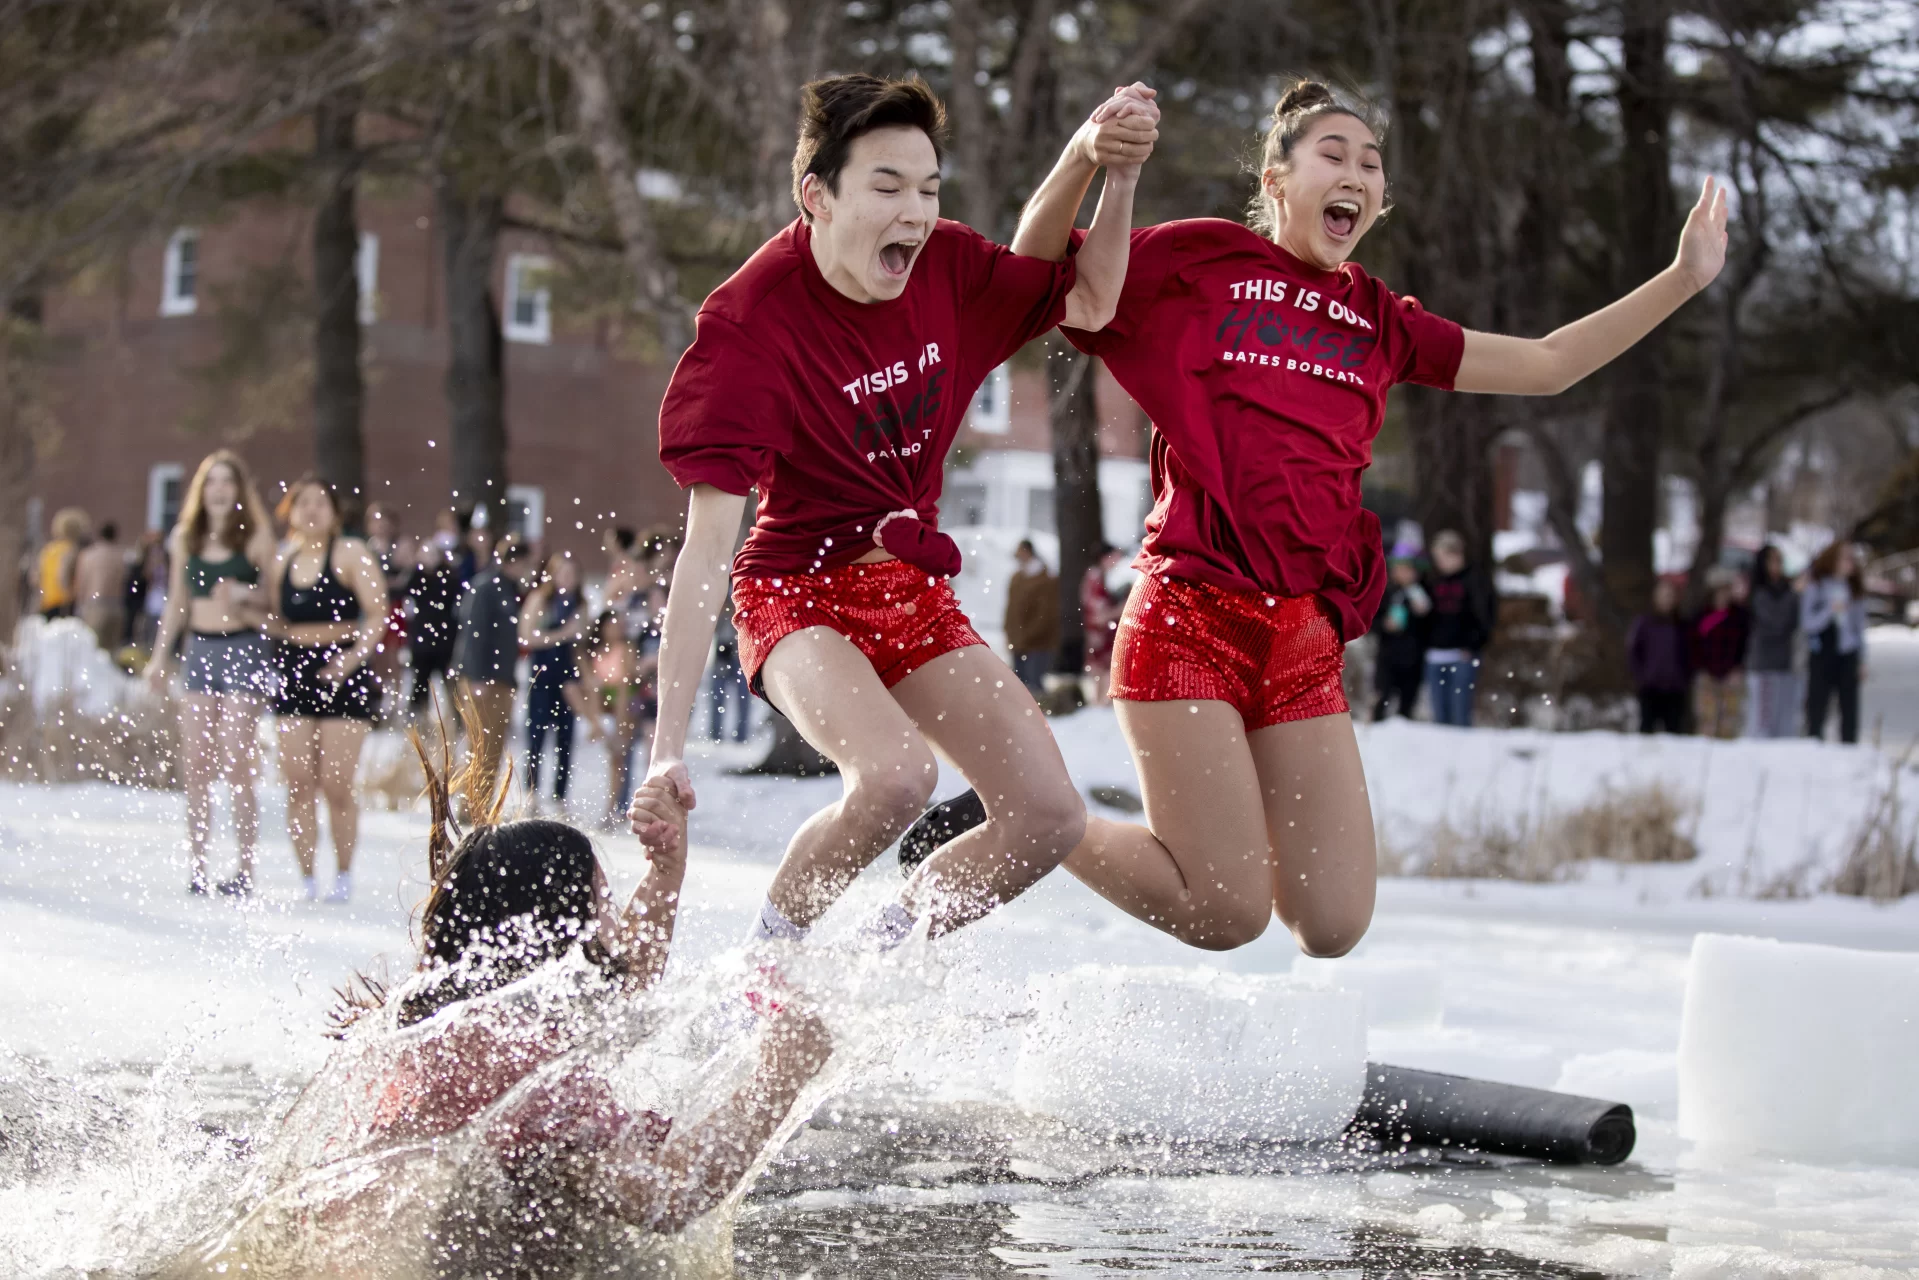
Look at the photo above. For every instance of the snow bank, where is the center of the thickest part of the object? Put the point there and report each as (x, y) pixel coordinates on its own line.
(60, 662)
(1192, 1053)
(1802, 1051)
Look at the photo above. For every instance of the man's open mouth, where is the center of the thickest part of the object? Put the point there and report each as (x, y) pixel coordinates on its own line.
(896, 257)
(1341, 217)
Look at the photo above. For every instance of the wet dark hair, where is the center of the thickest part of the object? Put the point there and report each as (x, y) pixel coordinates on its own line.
(506, 897)
(1306, 101)
(836, 110)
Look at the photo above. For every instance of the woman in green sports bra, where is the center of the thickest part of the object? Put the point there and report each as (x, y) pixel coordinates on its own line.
(213, 594)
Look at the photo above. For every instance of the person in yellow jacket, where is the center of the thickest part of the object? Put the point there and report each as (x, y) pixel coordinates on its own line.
(54, 579)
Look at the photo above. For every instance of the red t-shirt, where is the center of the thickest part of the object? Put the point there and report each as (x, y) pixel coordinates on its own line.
(1266, 380)
(841, 411)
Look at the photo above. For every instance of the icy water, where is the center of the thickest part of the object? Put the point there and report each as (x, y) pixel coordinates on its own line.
(909, 1192)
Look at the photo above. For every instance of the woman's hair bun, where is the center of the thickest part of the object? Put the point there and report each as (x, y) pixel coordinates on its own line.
(1303, 96)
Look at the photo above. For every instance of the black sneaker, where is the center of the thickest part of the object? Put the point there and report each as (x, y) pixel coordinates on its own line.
(197, 886)
(241, 886)
(943, 823)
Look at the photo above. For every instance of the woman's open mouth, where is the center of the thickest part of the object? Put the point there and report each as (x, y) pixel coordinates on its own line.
(1341, 218)
(896, 258)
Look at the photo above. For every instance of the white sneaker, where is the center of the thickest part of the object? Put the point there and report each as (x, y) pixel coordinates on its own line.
(342, 890)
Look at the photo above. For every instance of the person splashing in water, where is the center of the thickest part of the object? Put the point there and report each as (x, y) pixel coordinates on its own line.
(469, 1123)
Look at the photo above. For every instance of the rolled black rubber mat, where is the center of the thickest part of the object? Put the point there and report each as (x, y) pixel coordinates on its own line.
(947, 820)
(1403, 1109)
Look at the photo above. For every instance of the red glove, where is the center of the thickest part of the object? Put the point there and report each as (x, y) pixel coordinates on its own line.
(919, 544)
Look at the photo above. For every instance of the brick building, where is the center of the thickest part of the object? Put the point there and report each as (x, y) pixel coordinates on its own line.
(581, 416)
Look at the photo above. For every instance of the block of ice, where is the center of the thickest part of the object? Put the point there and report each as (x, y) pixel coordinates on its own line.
(1803, 1051)
(1192, 1053)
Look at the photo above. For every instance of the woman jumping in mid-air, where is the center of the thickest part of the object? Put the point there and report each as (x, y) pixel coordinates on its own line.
(1263, 358)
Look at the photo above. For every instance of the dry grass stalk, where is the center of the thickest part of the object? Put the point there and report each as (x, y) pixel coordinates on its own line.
(1637, 824)
(1883, 863)
(137, 745)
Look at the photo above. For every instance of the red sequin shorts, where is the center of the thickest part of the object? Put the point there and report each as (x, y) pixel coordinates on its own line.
(1274, 658)
(899, 616)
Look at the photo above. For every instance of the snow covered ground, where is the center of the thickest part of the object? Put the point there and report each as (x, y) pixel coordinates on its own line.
(112, 973)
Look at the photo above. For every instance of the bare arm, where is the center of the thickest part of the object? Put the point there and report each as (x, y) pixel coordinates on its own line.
(368, 584)
(645, 932)
(1546, 366)
(692, 611)
(175, 616)
(1119, 136)
(699, 1166)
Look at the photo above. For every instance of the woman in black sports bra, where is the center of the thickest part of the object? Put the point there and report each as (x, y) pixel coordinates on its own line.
(215, 555)
(327, 608)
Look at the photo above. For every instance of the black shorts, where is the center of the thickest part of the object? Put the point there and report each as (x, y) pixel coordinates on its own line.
(299, 691)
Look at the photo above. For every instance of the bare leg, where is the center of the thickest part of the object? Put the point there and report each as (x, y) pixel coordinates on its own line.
(199, 754)
(300, 766)
(1325, 859)
(830, 692)
(240, 760)
(973, 708)
(340, 742)
(1200, 869)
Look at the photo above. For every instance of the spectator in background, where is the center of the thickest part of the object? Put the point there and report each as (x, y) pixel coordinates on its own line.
(553, 622)
(432, 603)
(1032, 617)
(486, 650)
(1719, 641)
(450, 535)
(1100, 608)
(1772, 701)
(1658, 652)
(100, 588)
(1457, 629)
(53, 570)
(382, 543)
(726, 682)
(207, 584)
(1404, 613)
(1833, 613)
(326, 610)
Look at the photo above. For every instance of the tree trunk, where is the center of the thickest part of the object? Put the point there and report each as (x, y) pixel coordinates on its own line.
(972, 144)
(339, 391)
(476, 370)
(1635, 411)
(653, 277)
(1452, 456)
(16, 459)
(790, 756)
(1077, 513)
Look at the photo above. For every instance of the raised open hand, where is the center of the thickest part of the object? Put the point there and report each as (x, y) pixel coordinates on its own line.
(1702, 244)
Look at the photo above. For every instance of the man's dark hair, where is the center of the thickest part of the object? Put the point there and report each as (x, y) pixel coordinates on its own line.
(838, 109)
(1026, 545)
(109, 531)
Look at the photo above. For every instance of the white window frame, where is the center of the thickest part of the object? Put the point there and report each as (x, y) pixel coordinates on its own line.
(532, 499)
(540, 329)
(172, 301)
(992, 409)
(158, 477)
(366, 269)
